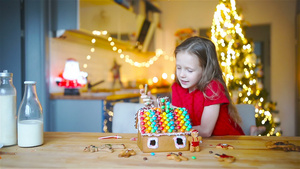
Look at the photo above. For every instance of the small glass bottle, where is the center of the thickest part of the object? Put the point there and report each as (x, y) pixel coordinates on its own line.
(8, 106)
(30, 118)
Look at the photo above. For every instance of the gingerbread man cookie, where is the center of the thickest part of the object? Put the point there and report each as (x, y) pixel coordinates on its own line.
(224, 146)
(195, 141)
(224, 157)
(177, 157)
(92, 148)
(127, 153)
(282, 145)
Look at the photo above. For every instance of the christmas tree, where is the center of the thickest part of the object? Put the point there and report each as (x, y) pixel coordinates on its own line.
(241, 67)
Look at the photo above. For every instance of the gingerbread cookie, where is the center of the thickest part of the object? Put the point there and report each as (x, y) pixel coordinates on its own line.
(224, 157)
(224, 146)
(195, 141)
(92, 148)
(127, 153)
(177, 157)
(282, 145)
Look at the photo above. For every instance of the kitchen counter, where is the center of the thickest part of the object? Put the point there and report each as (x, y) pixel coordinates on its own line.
(116, 95)
(65, 150)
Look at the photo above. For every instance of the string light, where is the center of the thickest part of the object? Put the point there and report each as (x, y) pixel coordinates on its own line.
(164, 76)
(127, 58)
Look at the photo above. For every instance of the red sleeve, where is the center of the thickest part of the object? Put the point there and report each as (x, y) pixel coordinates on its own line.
(215, 94)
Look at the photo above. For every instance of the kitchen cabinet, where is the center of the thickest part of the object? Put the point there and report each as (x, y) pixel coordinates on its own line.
(90, 112)
(125, 24)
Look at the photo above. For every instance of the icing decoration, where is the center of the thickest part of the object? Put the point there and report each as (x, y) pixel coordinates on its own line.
(152, 142)
(180, 141)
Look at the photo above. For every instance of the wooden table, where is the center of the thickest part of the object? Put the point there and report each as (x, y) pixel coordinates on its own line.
(65, 150)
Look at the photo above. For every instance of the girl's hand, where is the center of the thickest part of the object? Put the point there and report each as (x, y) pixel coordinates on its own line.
(146, 97)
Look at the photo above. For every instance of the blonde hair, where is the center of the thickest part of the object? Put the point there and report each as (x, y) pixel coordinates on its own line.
(205, 50)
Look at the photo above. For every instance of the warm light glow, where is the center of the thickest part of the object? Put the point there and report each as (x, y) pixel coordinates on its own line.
(164, 76)
(159, 52)
(173, 76)
(104, 32)
(150, 82)
(88, 57)
(155, 79)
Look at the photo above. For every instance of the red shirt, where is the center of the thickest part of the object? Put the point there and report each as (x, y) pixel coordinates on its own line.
(195, 102)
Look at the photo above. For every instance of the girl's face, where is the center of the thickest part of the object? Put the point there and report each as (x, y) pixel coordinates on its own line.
(188, 70)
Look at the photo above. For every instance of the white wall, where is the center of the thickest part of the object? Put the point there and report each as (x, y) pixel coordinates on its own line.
(279, 14)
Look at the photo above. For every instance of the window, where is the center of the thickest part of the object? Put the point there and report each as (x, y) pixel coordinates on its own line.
(179, 141)
(152, 142)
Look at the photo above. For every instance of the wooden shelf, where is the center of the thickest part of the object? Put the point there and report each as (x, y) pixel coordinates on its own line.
(85, 37)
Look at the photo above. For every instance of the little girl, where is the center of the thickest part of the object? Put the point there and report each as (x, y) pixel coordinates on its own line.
(200, 88)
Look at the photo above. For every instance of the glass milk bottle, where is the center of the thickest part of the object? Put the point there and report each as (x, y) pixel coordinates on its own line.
(30, 118)
(8, 106)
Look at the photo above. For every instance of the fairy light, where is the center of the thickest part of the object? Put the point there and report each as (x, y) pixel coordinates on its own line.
(127, 58)
(155, 79)
(164, 76)
(88, 57)
(172, 76)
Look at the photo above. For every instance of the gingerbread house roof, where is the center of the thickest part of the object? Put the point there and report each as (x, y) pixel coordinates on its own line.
(163, 120)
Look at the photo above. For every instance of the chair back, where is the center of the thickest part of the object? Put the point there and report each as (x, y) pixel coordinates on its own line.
(247, 113)
(124, 117)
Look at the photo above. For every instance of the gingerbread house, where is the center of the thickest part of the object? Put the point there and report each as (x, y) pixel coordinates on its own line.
(163, 128)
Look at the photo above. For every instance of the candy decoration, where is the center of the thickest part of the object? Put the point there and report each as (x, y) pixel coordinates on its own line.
(164, 119)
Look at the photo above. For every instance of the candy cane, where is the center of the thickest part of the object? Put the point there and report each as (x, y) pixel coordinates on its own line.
(109, 137)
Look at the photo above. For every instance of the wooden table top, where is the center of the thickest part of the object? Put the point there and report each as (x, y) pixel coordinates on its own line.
(65, 150)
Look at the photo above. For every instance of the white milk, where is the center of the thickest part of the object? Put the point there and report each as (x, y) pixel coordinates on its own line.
(8, 120)
(30, 133)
